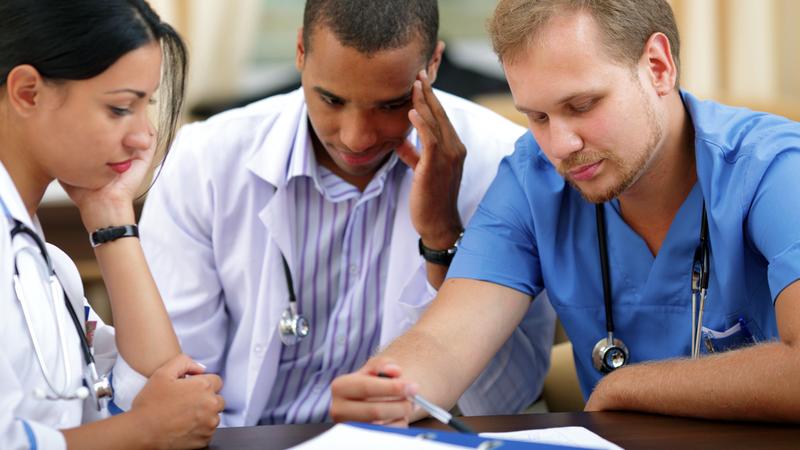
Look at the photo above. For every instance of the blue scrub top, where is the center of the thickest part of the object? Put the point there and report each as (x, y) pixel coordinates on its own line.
(533, 231)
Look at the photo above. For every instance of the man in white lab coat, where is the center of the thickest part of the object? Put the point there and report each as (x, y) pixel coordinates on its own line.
(361, 181)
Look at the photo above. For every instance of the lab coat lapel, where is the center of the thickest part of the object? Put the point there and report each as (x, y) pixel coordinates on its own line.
(404, 263)
(270, 164)
(273, 299)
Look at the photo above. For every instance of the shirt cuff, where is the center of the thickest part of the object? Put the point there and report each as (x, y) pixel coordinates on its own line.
(126, 383)
(42, 437)
(432, 291)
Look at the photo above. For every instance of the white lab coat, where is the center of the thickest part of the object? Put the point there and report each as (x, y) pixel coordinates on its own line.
(26, 421)
(214, 228)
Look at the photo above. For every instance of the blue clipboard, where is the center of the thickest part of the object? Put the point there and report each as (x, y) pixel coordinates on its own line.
(460, 439)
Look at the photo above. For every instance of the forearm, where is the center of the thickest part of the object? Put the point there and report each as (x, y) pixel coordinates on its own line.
(756, 383)
(455, 339)
(425, 361)
(123, 431)
(144, 333)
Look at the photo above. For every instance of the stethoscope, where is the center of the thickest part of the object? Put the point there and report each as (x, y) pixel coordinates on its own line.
(293, 327)
(97, 386)
(610, 353)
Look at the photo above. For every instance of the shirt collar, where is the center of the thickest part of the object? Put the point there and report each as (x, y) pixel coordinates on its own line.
(303, 163)
(11, 204)
(301, 160)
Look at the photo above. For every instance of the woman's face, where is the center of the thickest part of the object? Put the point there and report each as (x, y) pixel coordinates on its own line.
(87, 131)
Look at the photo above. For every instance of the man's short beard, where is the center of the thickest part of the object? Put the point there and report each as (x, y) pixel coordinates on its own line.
(630, 173)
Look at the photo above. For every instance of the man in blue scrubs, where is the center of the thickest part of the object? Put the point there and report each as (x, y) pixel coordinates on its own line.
(609, 126)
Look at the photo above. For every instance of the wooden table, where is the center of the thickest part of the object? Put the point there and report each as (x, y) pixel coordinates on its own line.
(628, 430)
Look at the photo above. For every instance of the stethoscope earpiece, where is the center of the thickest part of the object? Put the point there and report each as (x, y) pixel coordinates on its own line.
(39, 394)
(82, 392)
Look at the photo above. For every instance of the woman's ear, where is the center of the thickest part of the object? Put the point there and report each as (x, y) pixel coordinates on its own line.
(24, 88)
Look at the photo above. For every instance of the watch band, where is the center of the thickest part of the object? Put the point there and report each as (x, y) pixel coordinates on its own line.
(441, 257)
(103, 235)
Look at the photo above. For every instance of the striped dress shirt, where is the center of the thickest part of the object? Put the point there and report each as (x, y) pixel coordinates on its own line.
(339, 276)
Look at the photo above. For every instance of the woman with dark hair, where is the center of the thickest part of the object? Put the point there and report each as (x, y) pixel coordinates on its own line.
(76, 79)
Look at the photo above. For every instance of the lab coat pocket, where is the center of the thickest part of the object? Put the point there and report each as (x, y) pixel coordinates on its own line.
(412, 306)
(402, 313)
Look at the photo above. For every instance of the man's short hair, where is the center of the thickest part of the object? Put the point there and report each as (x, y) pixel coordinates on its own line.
(370, 26)
(625, 25)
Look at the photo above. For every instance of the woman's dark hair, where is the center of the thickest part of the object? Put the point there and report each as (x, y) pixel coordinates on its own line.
(79, 39)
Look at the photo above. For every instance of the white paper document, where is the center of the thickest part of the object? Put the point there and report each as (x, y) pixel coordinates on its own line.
(353, 438)
(567, 436)
(356, 437)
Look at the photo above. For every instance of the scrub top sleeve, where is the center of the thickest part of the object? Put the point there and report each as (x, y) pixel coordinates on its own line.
(499, 243)
(774, 220)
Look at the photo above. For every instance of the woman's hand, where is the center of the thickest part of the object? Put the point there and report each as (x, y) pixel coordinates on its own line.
(112, 204)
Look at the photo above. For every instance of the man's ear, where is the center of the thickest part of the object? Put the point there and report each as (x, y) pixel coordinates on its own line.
(300, 51)
(436, 60)
(24, 88)
(659, 65)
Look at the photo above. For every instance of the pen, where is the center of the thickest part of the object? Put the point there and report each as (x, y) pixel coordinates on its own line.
(436, 412)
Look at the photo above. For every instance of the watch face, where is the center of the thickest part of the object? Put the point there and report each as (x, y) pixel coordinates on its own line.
(452, 250)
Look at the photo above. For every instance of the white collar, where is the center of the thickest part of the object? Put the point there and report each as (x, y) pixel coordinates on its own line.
(271, 160)
(12, 203)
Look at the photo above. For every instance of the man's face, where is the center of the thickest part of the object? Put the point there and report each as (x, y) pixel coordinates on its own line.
(595, 118)
(357, 104)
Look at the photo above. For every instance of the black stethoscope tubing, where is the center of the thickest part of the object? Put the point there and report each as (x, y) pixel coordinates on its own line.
(699, 283)
(600, 217)
(289, 283)
(21, 228)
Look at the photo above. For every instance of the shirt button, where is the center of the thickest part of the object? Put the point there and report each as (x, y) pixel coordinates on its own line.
(340, 339)
(258, 349)
(317, 389)
(353, 269)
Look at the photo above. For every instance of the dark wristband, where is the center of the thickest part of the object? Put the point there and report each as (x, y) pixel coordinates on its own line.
(103, 235)
(441, 257)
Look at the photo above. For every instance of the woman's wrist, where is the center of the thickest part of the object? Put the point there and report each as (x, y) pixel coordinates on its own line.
(107, 214)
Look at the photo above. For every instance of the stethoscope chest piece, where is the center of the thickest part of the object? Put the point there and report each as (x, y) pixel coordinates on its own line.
(293, 327)
(101, 391)
(609, 354)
